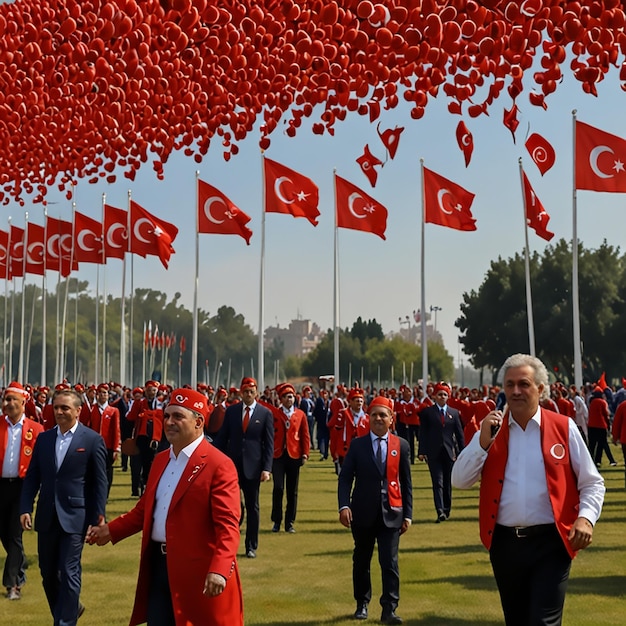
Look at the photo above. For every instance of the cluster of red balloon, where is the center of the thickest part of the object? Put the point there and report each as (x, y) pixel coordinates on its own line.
(89, 85)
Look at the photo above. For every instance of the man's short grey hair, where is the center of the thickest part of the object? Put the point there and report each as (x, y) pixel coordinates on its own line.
(523, 360)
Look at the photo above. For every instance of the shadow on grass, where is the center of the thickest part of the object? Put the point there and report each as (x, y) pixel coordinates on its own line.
(610, 586)
(426, 620)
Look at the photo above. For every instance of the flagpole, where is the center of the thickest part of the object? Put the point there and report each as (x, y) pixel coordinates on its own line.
(336, 289)
(63, 354)
(97, 346)
(423, 288)
(194, 336)
(261, 351)
(123, 311)
(9, 264)
(20, 366)
(578, 370)
(44, 302)
(529, 297)
(131, 321)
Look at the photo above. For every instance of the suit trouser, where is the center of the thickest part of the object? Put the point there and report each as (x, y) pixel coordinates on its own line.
(388, 540)
(160, 609)
(440, 468)
(285, 470)
(59, 564)
(11, 532)
(146, 454)
(531, 574)
(250, 490)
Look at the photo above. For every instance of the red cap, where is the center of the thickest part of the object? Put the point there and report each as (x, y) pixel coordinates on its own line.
(442, 387)
(15, 387)
(151, 383)
(355, 393)
(381, 401)
(62, 387)
(137, 390)
(78, 387)
(284, 389)
(190, 399)
(103, 387)
(247, 383)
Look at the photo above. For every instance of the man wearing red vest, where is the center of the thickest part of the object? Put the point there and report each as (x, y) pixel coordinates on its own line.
(292, 443)
(18, 434)
(379, 509)
(540, 495)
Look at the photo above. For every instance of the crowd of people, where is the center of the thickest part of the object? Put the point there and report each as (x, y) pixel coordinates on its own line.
(225, 442)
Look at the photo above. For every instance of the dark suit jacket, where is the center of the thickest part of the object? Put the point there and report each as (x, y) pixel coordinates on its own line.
(434, 435)
(366, 500)
(253, 452)
(77, 490)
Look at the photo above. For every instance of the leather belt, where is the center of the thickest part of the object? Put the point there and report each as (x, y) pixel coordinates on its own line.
(523, 532)
(160, 547)
(13, 479)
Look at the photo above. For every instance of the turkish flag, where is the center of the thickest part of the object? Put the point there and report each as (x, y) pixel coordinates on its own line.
(151, 235)
(446, 203)
(536, 215)
(59, 246)
(87, 239)
(16, 248)
(367, 161)
(357, 210)
(115, 232)
(390, 139)
(465, 140)
(600, 159)
(287, 191)
(35, 249)
(4, 253)
(218, 215)
(541, 152)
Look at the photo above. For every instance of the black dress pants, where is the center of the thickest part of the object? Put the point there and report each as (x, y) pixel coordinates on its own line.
(531, 573)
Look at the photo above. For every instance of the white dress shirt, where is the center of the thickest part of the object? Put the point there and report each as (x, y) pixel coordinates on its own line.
(525, 500)
(63, 442)
(11, 462)
(166, 487)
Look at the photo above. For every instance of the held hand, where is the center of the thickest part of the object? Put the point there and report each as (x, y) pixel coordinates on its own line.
(345, 517)
(214, 584)
(99, 535)
(25, 521)
(489, 428)
(422, 457)
(580, 534)
(265, 476)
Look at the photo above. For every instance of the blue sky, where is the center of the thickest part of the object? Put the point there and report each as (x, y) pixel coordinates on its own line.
(378, 279)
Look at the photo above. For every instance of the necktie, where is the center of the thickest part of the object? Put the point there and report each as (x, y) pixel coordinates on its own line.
(443, 417)
(246, 419)
(379, 451)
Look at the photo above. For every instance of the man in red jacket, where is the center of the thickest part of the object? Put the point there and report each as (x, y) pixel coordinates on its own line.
(189, 516)
(292, 444)
(540, 495)
(105, 419)
(18, 434)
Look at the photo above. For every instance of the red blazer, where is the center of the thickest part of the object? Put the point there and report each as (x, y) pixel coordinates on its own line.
(202, 532)
(30, 432)
(47, 417)
(296, 439)
(108, 425)
(619, 424)
(140, 414)
(343, 431)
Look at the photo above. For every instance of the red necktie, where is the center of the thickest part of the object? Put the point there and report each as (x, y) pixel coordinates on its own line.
(443, 417)
(246, 419)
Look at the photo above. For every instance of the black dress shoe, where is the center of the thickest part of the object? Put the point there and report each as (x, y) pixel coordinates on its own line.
(81, 609)
(251, 554)
(275, 528)
(441, 518)
(361, 611)
(290, 529)
(390, 618)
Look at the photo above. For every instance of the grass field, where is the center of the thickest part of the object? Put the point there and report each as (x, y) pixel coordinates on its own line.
(305, 578)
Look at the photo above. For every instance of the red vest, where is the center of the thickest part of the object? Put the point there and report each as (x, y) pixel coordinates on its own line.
(562, 485)
(30, 432)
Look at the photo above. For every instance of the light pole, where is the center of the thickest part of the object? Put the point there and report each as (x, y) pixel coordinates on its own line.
(435, 309)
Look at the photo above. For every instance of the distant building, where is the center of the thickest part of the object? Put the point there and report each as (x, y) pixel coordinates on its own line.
(298, 339)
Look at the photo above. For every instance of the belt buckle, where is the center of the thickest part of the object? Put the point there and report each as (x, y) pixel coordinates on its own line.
(163, 548)
(519, 532)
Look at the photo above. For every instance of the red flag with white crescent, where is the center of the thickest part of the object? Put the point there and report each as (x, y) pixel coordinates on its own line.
(288, 191)
(115, 232)
(218, 215)
(87, 239)
(367, 162)
(35, 249)
(541, 152)
(465, 140)
(150, 234)
(536, 215)
(358, 211)
(446, 203)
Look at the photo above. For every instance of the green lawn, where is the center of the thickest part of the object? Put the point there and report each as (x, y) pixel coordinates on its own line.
(305, 578)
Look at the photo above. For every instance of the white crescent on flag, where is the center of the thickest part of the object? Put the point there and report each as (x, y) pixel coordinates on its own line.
(594, 155)
(111, 234)
(52, 245)
(137, 229)
(207, 209)
(81, 240)
(33, 246)
(277, 190)
(351, 199)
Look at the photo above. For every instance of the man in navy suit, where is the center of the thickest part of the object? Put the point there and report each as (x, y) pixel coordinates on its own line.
(378, 509)
(440, 441)
(247, 437)
(68, 470)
